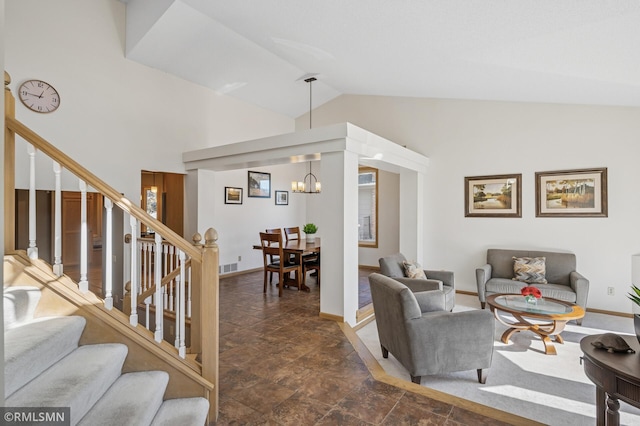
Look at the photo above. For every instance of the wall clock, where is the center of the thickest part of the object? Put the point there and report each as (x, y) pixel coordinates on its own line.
(39, 96)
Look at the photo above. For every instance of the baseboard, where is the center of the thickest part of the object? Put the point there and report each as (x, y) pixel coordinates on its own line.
(332, 317)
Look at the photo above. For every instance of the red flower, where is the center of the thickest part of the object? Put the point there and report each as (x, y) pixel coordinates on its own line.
(531, 291)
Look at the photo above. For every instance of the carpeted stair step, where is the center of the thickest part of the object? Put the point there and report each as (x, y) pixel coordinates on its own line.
(132, 400)
(182, 411)
(35, 346)
(77, 381)
(19, 304)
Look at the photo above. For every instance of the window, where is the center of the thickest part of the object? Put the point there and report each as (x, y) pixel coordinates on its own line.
(367, 207)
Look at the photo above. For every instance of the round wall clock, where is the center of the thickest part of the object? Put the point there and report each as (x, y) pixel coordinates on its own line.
(39, 96)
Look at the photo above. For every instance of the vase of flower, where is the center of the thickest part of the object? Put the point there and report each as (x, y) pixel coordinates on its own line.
(531, 294)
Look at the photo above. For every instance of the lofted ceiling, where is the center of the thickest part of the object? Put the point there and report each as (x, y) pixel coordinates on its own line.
(259, 51)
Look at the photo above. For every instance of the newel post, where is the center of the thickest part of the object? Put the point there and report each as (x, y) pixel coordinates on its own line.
(9, 169)
(206, 296)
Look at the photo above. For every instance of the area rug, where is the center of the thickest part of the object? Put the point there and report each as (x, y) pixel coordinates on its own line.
(550, 389)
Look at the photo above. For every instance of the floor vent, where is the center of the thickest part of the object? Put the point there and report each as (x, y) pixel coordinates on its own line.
(225, 269)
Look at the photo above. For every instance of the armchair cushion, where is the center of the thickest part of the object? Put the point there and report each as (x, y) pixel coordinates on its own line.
(413, 270)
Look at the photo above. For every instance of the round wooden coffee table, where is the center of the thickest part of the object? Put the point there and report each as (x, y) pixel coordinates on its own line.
(546, 318)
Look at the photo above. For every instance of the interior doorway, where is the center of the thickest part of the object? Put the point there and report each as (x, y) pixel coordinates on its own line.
(162, 196)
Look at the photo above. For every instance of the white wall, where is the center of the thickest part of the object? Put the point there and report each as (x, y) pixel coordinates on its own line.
(472, 138)
(238, 225)
(116, 116)
(2, 32)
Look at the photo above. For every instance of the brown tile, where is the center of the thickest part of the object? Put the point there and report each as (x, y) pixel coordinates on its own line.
(338, 417)
(466, 417)
(428, 404)
(369, 406)
(232, 412)
(297, 411)
(405, 413)
(326, 386)
(262, 396)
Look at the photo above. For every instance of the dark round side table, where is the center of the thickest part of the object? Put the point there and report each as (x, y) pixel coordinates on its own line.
(616, 376)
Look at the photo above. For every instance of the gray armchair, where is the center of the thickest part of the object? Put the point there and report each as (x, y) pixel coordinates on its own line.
(392, 266)
(424, 337)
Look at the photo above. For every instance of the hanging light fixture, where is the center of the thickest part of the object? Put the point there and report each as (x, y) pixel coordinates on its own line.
(310, 184)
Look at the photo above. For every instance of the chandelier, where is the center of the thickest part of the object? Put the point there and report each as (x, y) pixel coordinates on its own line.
(310, 184)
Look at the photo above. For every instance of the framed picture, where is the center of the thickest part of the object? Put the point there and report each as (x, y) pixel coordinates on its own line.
(232, 195)
(259, 184)
(570, 193)
(282, 198)
(493, 196)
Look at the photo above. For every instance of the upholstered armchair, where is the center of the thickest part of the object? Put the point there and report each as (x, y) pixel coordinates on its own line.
(393, 266)
(426, 338)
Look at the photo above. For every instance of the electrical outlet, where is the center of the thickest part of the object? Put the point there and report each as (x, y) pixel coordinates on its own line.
(239, 258)
(611, 291)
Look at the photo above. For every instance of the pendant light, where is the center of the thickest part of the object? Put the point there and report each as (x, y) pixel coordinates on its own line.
(310, 184)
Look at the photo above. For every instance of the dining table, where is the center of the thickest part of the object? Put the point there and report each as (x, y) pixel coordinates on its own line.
(298, 248)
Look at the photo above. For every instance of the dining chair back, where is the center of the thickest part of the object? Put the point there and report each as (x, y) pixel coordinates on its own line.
(292, 233)
(272, 246)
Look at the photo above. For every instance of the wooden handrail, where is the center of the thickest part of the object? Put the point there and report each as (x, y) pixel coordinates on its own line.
(95, 182)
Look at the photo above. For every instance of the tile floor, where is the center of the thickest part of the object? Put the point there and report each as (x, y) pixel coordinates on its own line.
(281, 364)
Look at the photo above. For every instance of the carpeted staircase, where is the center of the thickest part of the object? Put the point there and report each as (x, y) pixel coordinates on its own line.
(45, 367)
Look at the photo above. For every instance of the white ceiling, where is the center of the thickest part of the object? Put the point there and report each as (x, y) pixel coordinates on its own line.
(559, 51)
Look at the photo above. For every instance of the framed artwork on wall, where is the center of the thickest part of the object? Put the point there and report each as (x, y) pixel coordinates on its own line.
(572, 193)
(232, 195)
(493, 196)
(259, 184)
(282, 198)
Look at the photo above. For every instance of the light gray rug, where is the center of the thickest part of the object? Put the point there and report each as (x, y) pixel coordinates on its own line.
(523, 380)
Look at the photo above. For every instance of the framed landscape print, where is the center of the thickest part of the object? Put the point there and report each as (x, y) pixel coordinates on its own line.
(493, 196)
(282, 198)
(259, 184)
(232, 195)
(569, 193)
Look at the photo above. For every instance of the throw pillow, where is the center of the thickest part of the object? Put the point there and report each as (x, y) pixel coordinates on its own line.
(529, 270)
(413, 270)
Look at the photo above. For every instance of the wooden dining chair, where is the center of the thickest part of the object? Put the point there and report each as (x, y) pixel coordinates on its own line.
(311, 265)
(273, 259)
(292, 233)
(272, 246)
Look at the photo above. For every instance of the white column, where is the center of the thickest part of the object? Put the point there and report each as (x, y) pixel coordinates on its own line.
(158, 282)
(83, 284)
(32, 250)
(108, 255)
(133, 318)
(412, 187)
(338, 227)
(57, 238)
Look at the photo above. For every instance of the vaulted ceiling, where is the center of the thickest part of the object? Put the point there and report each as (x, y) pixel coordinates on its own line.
(260, 51)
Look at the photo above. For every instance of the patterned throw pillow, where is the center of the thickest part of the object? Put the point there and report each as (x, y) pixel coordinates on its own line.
(529, 269)
(413, 270)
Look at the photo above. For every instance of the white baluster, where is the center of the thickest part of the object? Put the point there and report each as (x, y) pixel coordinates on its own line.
(32, 250)
(158, 281)
(57, 238)
(147, 302)
(143, 266)
(173, 282)
(133, 319)
(149, 263)
(83, 284)
(108, 274)
(182, 350)
(165, 295)
(177, 312)
(189, 297)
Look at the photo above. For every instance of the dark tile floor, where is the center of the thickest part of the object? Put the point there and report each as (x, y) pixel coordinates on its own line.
(281, 364)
